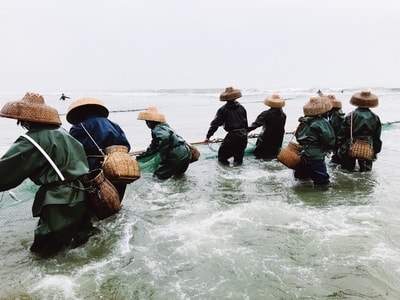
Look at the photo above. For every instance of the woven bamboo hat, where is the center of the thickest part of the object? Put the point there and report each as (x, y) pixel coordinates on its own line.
(80, 109)
(275, 101)
(230, 94)
(364, 99)
(151, 114)
(317, 106)
(31, 108)
(335, 102)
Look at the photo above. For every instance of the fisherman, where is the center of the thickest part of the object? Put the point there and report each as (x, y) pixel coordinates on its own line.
(360, 124)
(91, 127)
(61, 201)
(174, 152)
(233, 117)
(316, 136)
(335, 117)
(273, 121)
(63, 97)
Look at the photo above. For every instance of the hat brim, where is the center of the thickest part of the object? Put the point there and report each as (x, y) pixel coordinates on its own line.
(80, 113)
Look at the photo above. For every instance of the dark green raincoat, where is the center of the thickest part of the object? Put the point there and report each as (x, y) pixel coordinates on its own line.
(335, 118)
(175, 155)
(316, 136)
(366, 126)
(61, 206)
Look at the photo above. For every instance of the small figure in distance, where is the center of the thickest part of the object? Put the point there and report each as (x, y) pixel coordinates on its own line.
(63, 97)
(233, 116)
(273, 121)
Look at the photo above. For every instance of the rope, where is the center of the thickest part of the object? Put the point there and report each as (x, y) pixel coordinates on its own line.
(250, 136)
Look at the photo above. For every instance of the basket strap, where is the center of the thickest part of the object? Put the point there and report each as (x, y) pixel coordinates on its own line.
(45, 155)
(351, 127)
(94, 142)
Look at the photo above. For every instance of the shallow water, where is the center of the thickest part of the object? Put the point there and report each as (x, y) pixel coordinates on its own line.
(246, 232)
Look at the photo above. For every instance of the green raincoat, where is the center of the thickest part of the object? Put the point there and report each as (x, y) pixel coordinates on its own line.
(366, 126)
(316, 136)
(174, 154)
(61, 206)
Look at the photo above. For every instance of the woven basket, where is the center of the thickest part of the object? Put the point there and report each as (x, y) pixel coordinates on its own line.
(119, 166)
(361, 150)
(290, 155)
(195, 153)
(103, 196)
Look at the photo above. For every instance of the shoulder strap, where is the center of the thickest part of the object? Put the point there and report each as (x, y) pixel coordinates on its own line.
(45, 155)
(351, 126)
(94, 142)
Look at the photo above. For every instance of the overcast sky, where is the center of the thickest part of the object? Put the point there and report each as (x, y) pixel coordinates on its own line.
(68, 45)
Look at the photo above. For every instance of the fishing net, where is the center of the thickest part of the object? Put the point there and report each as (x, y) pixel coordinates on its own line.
(16, 203)
(149, 163)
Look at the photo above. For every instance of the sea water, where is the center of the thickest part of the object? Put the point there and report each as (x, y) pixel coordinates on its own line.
(244, 232)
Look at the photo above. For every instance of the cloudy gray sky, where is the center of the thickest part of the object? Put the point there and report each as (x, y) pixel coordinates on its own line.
(65, 45)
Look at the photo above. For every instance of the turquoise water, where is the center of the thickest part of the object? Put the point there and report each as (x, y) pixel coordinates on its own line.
(248, 232)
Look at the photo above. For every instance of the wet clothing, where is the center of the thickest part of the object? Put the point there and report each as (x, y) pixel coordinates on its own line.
(60, 205)
(105, 133)
(270, 139)
(316, 136)
(335, 118)
(174, 153)
(366, 126)
(233, 117)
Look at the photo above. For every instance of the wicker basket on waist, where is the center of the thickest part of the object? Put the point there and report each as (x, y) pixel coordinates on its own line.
(119, 166)
(103, 196)
(290, 155)
(361, 150)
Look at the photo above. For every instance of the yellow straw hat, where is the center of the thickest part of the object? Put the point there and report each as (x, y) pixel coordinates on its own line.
(230, 94)
(317, 106)
(335, 102)
(364, 99)
(151, 114)
(31, 108)
(80, 109)
(275, 101)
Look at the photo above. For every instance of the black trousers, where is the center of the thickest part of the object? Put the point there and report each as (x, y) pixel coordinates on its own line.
(233, 145)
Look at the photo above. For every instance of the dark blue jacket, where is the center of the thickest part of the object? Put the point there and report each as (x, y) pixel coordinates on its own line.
(104, 132)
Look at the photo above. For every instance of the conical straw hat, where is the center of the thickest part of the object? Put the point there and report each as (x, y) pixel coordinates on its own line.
(275, 101)
(230, 94)
(317, 106)
(364, 99)
(151, 114)
(31, 108)
(80, 109)
(335, 102)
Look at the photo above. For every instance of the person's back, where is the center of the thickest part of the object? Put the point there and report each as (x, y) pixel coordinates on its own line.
(335, 118)
(61, 201)
(273, 123)
(233, 117)
(104, 132)
(316, 137)
(175, 154)
(91, 127)
(360, 124)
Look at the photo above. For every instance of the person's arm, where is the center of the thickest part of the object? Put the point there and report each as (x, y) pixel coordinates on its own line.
(18, 163)
(215, 123)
